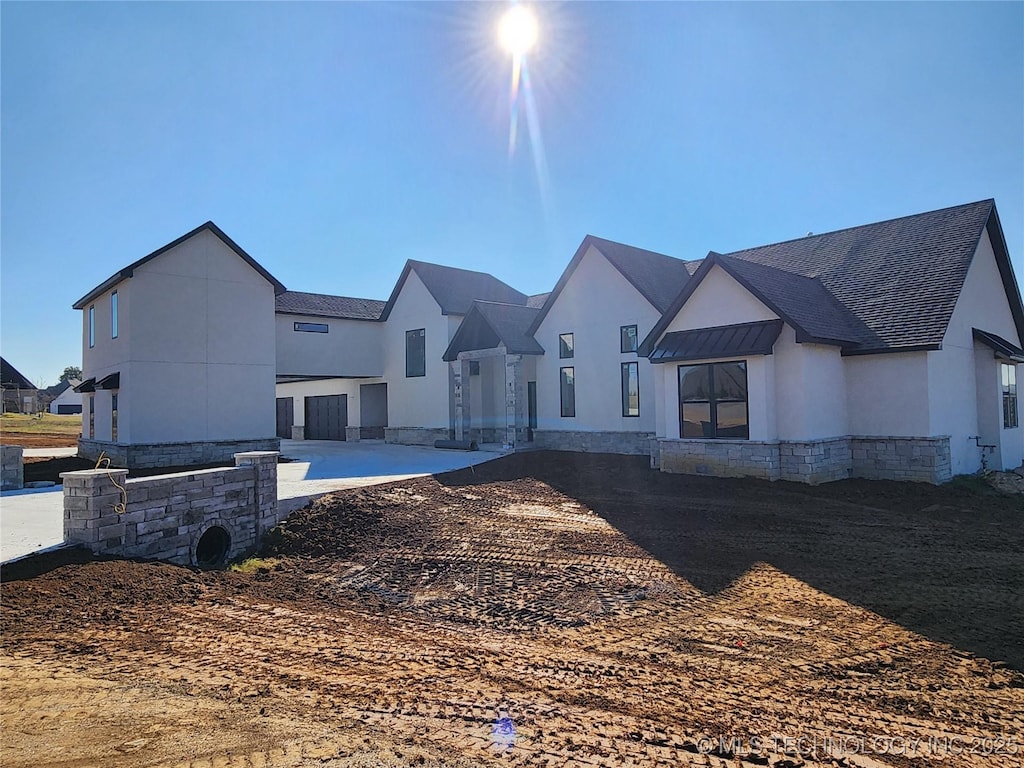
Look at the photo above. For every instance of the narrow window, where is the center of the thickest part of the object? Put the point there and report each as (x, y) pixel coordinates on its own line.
(92, 326)
(92, 417)
(568, 391)
(416, 353)
(1009, 382)
(627, 338)
(113, 315)
(311, 327)
(565, 346)
(631, 389)
(713, 401)
(113, 417)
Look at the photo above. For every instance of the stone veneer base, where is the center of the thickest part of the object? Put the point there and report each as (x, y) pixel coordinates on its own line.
(415, 435)
(922, 459)
(627, 443)
(148, 455)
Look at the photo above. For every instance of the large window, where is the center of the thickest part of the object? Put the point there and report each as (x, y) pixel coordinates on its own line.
(416, 353)
(113, 315)
(92, 327)
(310, 327)
(627, 338)
(713, 400)
(92, 417)
(567, 379)
(566, 346)
(630, 389)
(1009, 381)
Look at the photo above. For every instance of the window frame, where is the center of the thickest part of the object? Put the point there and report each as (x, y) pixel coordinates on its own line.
(1008, 395)
(113, 417)
(113, 315)
(92, 417)
(567, 351)
(562, 387)
(623, 337)
(635, 366)
(92, 325)
(713, 401)
(303, 327)
(420, 333)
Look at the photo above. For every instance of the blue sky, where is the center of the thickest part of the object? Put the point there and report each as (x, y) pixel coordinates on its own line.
(333, 141)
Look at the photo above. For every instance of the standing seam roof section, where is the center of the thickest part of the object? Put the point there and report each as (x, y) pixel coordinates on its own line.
(718, 342)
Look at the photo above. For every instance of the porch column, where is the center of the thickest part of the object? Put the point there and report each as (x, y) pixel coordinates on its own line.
(460, 379)
(515, 400)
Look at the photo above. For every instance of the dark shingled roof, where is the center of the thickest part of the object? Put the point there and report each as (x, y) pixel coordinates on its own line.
(455, 289)
(880, 287)
(656, 276)
(537, 300)
(489, 324)
(11, 377)
(128, 271)
(324, 305)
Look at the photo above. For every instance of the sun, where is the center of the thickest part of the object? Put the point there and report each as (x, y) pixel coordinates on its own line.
(518, 30)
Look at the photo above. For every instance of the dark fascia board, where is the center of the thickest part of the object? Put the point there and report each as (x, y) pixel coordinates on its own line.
(891, 350)
(393, 298)
(293, 313)
(89, 385)
(589, 240)
(1010, 285)
(298, 378)
(474, 311)
(128, 271)
(651, 339)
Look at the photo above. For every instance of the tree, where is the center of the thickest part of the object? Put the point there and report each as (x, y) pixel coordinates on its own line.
(71, 372)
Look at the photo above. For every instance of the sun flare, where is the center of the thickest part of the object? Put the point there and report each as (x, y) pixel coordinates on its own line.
(518, 30)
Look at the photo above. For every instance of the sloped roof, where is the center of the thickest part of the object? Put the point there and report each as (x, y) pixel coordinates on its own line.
(721, 341)
(455, 289)
(1001, 348)
(489, 324)
(12, 378)
(324, 305)
(128, 271)
(880, 287)
(537, 300)
(656, 276)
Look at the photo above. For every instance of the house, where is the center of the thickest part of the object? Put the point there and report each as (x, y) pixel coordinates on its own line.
(178, 356)
(884, 351)
(19, 394)
(65, 399)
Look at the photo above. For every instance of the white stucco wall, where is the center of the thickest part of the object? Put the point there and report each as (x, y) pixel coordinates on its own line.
(349, 348)
(596, 301)
(957, 370)
(810, 387)
(887, 395)
(719, 300)
(195, 348)
(419, 401)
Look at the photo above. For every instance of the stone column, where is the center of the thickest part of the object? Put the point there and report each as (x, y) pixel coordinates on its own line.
(12, 467)
(94, 502)
(515, 401)
(265, 464)
(463, 413)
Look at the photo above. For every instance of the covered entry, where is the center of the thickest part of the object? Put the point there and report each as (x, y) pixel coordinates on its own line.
(326, 417)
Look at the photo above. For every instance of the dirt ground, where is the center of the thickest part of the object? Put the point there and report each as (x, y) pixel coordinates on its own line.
(544, 609)
(45, 431)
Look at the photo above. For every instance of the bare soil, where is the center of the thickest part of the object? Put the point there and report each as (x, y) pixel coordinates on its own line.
(584, 608)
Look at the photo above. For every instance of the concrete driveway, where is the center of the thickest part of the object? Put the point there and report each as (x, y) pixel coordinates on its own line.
(31, 520)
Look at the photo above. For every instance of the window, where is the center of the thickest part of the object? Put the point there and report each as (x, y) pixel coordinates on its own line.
(565, 346)
(568, 391)
(92, 417)
(92, 326)
(631, 389)
(311, 327)
(113, 315)
(1009, 382)
(113, 417)
(627, 338)
(713, 400)
(416, 353)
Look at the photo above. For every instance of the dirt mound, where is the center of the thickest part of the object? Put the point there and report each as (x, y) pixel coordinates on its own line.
(333, 525)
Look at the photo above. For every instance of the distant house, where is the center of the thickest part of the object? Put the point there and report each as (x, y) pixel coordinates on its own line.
(19, 394)
(178, 356)
(64, 399)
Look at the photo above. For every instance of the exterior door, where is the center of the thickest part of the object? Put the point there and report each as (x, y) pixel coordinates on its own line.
(531, 408)
(285, 417)
(326, 417)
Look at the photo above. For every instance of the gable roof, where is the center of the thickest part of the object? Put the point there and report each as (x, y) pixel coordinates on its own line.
(888, 286)
(655, 276)
(12, 378)
(489, 324)
(537, 300)
(325, 305)
(128, 271)
(455, 289)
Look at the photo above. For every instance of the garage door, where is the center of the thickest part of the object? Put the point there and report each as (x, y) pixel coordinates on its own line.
(285, 417)
(326, 417)
(67, 410)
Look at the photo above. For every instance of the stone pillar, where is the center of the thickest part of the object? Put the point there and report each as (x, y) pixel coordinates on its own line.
(515, 402)
(94, 502)
(352, 434)
(298, 432)
(463, 412)
(12, 468)
(265, 464)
